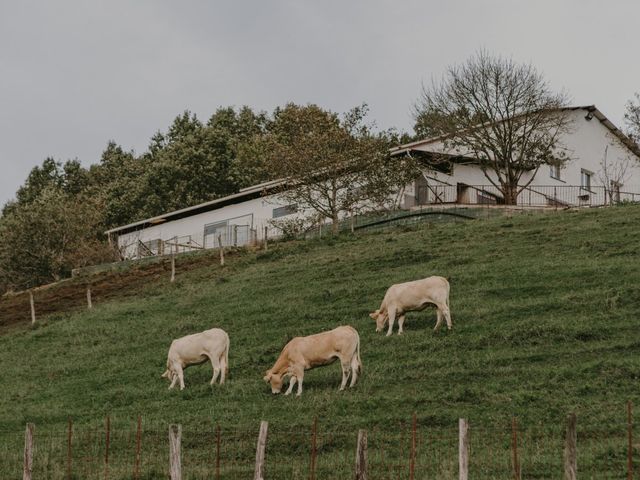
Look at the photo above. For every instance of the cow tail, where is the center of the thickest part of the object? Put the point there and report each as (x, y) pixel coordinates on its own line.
(358, 353)
(226, 356)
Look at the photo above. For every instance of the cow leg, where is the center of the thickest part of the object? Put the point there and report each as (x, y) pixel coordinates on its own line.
(392, 318)
(439, 320)
(400, 324)
(292, 382)
(174, 379)
(223, 369)
(215, 365)
(178, 372)
(447, 316)
(354, 369)
(300, 375)
(346, 369)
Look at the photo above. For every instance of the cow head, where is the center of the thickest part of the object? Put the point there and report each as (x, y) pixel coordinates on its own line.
(380, 318)
(275, 379)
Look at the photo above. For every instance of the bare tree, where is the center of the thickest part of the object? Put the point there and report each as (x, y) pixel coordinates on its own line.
(501, 113)
(632, 118)
(613, 174)
(333, 164)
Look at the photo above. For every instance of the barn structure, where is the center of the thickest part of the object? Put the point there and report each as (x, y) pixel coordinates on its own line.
(241, 218)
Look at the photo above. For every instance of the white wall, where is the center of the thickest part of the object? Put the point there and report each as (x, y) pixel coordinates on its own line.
(250, 214)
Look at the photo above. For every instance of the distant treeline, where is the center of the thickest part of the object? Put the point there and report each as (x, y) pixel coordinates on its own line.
(58, 217)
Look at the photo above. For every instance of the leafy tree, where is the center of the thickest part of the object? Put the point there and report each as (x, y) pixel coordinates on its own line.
(331, 164)
(501, 113)
(43, 240)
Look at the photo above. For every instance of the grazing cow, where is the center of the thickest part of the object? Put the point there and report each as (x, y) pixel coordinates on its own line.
(212, 345)
(411, 297)
(304, 353)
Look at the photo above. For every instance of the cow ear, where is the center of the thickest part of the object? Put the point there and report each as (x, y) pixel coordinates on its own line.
(165, 374)
(374, 315)
(267, 377)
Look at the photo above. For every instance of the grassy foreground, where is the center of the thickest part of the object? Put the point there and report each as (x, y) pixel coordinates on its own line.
(545, 311)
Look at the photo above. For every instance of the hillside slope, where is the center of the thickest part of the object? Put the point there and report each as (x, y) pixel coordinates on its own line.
(545, 311)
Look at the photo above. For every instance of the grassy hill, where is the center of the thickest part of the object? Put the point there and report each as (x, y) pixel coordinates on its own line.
(545, 311)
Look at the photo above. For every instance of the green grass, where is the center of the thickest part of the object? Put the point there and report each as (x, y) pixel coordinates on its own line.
(545, 311)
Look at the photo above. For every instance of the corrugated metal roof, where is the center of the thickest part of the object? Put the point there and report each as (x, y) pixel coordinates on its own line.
(245, 193)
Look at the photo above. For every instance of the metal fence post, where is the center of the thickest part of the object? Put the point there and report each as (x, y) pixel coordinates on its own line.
(412, 462)
(106, 447)
(314, 433)
(69, 440)
(629, 441)
(136, 470)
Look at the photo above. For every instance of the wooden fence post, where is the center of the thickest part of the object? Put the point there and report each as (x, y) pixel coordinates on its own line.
(28, 452)
(314, 433)
(570, 449)
(221, 250)
(463, 449)
(33, 308)
(361, 456)
(260, 449)
(514, 447)
(235, 235)
(69, 440)
(412, 461)
(173, 266)
(630, 442)
(136, 469)
(175, 438)
(89, 304)
(353, 222)
(107, 441)
(265, 238)
(218, 452)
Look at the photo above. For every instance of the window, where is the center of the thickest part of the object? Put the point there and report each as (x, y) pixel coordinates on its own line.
(286, 210)
(585, 179)
(555, 171)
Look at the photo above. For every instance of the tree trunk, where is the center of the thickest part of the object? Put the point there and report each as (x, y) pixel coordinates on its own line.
(335, 223)
(510, 193)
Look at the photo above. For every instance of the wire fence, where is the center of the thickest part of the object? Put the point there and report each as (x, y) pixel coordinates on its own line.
(411, 450)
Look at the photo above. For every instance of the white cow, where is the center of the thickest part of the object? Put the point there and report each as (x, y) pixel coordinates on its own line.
(212, 345)
(410, 297)
(304, 353)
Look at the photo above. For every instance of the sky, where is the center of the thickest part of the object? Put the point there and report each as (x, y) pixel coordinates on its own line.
(75, 74)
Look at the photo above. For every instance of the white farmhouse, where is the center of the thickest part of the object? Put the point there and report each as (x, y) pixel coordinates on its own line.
(242, 218)
(590, 140)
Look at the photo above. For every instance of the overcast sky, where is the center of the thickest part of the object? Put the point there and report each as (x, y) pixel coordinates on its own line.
(76, 74)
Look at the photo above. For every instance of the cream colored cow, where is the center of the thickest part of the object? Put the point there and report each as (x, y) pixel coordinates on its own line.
(304, 353)
(410, 297)
(212, 345)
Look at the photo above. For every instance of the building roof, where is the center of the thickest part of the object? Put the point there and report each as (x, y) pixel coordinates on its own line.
(626, 141)
(255, 191)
